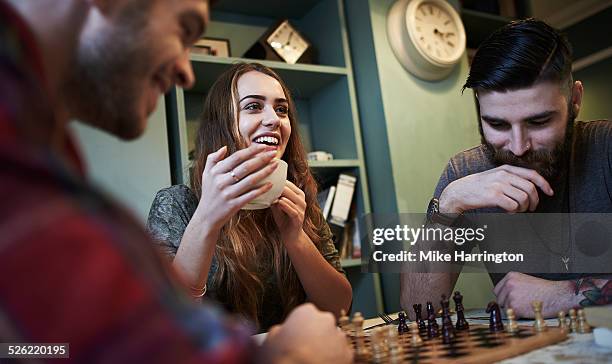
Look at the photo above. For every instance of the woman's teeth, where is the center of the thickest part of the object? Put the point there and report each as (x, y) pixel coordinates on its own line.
(267, 140)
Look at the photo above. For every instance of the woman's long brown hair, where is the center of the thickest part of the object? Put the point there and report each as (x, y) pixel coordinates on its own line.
(249, 249)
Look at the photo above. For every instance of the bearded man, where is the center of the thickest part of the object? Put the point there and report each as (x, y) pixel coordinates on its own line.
(534, 157)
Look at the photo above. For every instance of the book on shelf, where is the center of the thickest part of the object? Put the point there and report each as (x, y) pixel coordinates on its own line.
(325, 199)
(343, 199)
(342, 209)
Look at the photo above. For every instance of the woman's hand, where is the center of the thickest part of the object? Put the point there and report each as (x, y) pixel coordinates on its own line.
(289, 212)
(230, 183)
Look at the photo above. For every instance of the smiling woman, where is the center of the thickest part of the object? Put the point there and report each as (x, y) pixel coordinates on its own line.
(262, 263)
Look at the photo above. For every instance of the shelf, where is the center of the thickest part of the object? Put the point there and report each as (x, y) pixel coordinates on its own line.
(479, 25)
(335, 163)
(348, 263)
(304, 80)
(270, 8)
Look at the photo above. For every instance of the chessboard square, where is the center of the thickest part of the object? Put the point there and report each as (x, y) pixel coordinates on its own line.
(455, 354)
(489, 344)
(455, 346)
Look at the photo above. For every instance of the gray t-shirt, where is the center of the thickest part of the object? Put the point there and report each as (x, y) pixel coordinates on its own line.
(584, 186)
(169, 216)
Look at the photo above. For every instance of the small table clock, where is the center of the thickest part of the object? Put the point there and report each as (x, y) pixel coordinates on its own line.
(282, 42)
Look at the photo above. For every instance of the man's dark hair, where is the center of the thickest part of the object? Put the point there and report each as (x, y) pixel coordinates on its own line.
(519, 55)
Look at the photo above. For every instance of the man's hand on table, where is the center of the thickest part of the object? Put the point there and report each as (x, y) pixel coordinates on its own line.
(518, 290)
(307, 336)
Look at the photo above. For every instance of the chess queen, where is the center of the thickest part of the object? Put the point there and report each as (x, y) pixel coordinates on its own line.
(257, 263)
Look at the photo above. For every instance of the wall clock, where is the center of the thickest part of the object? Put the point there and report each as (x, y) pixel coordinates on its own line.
(427, 37)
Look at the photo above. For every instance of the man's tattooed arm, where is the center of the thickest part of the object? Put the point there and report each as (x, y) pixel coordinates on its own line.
(596, 292)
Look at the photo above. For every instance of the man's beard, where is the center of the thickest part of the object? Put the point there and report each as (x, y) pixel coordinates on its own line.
(103, 90)
(548, 163)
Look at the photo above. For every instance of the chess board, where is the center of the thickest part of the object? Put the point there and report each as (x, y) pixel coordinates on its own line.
(477, 345)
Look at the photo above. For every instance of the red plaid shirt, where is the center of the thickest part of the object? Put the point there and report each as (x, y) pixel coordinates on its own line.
(74, 267)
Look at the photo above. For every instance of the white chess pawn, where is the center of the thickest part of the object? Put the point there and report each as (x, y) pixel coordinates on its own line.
(562, 321)
(361, 350)
(415, 340)
(512, 325)
(573, 321)
(583, 325)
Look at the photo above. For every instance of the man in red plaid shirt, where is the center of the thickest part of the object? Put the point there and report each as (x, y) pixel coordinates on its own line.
(74, 267)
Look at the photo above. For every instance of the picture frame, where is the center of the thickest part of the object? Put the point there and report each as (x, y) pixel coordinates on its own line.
(218, 47)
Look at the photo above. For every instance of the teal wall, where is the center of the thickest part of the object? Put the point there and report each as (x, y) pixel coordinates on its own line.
(131, 172)
(419, 124)
(596, 79)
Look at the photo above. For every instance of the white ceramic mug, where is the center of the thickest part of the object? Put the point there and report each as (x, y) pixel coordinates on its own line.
(278, 179)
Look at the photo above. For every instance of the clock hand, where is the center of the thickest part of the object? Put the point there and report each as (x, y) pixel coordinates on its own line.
(289, 39)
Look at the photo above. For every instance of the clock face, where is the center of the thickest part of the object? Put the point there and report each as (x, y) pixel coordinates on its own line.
(287, 42)
(436, 33)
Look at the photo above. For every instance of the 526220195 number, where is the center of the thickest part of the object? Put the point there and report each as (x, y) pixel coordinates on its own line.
(31, 350)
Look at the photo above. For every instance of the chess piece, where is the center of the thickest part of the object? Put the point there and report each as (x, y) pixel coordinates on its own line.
(403, 326)
(539, 324)
(583, 325)
(562, 321)
(395, 348)
(343, 322)
(461, 323)
(448, 334)
(378, 343)
(446, 319)
(415, 340)
(573, 321)
(432, 324)
(495, 320)
(361, 350)
(512, 326)
(419, 320)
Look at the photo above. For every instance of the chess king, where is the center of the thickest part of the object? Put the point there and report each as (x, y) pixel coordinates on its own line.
(534, 157)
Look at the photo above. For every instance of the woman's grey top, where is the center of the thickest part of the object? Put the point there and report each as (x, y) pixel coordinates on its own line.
(170, 213)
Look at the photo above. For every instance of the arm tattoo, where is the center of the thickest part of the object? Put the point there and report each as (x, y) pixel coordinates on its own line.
(596, 296)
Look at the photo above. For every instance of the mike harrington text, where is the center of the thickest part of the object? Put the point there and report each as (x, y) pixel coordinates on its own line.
(437, 256)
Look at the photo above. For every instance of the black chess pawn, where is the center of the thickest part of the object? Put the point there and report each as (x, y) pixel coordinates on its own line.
(403, 326)
(419, 319)
(432, 324)
(461, 323)
(447, 323)
(495, 320)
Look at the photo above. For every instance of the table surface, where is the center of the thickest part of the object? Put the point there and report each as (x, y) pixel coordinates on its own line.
(578, 348)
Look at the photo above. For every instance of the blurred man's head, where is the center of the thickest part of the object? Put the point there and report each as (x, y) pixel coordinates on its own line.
(527, 98)
(131, 52)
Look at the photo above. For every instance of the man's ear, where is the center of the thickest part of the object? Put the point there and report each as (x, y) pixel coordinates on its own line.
(577, 93)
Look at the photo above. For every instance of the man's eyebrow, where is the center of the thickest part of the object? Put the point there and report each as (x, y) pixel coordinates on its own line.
(492, 119)
(263, 98)
(541, 115)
